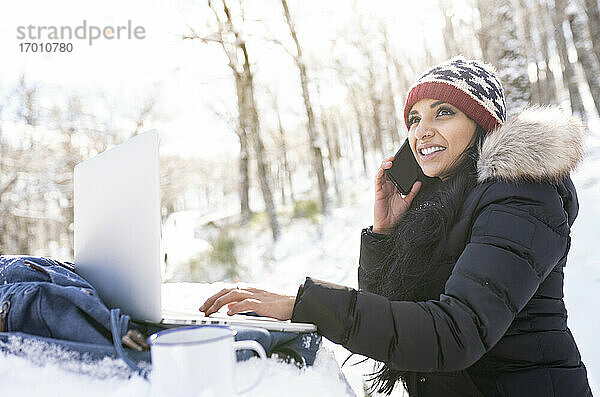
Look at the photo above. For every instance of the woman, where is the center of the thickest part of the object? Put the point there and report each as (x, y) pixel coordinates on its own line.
(461, 280)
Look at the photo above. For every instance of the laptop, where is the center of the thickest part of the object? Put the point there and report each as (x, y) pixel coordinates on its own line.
(117, 236)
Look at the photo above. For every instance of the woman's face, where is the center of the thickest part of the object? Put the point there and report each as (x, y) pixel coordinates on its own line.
(440, 129)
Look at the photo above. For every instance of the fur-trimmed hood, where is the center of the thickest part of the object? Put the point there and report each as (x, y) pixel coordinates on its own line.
(541, 144)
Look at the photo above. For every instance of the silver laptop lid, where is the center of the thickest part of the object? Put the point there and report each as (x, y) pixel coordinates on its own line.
(117, 225)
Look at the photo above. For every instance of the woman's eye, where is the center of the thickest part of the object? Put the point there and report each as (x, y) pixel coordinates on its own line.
(444, 112)
(412, 120)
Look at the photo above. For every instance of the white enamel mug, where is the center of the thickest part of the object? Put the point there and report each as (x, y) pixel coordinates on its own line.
(197, 361)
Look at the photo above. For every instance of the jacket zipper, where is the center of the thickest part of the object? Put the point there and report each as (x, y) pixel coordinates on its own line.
(4, 315)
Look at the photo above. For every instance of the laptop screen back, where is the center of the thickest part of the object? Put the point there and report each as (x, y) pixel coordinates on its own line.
(117, 225)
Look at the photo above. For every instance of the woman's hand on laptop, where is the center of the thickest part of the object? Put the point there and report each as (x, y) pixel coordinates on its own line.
(240, 300)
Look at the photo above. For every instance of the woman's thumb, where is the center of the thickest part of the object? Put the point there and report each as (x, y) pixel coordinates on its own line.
(413, 191)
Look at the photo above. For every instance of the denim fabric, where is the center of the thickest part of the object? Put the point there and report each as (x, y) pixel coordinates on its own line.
(47, 299)
(304, 346)
(50, 303)
(301, 347)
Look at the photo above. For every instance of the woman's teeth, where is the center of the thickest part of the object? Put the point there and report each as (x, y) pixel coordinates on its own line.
(430, 150)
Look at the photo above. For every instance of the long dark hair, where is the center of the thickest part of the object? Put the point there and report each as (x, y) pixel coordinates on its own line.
(414, 247)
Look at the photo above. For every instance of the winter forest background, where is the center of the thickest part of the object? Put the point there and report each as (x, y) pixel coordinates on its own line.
(274, 115)
(297, 108)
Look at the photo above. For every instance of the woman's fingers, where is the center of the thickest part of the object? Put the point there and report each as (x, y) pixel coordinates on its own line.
(250, 299)
(225, 296)
(210, 301)
(379, 179)
(231, 297)
(385, 164)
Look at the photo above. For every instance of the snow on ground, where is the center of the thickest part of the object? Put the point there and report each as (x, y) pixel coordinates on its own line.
(23, 377)
(582, 273)
(327, 250)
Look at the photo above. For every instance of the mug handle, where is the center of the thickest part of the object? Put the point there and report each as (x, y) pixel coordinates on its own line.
(257, 347)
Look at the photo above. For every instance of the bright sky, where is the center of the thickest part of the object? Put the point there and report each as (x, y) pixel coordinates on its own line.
(187, 77)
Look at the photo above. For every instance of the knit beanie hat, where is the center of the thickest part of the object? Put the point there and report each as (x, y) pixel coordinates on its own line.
(469, 85)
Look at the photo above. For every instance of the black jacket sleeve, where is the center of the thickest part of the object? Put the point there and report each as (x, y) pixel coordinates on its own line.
(371, 258)
(515, 243)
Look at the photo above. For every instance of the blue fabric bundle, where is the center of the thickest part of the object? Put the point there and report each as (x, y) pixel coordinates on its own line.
(44, 300)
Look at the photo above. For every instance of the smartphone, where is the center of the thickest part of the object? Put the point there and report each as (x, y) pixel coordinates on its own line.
(405, 170)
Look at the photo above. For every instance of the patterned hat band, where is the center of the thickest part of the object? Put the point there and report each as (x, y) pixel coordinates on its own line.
(467, 85)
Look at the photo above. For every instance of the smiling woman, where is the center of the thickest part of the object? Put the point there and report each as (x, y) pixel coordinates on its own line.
(463, 295)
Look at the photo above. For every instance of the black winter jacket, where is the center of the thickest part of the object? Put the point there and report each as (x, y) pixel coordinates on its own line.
(496, 324)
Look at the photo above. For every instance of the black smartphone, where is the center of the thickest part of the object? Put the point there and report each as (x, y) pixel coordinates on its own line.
(405, 170)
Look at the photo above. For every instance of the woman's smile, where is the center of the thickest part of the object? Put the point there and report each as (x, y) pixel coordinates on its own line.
(430, 152)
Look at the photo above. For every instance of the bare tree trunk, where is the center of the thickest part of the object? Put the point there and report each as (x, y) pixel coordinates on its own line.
(242, 132)
(331, 157)
(584, 51)
(23, 232)
(67, 191)
(466, 30)
(281, 182)
(239, 63)
(243, 164)
(392, 113)
(376, 116)
(29, 110)
(346, 143)
(374, 99)
(352, 98)
(594, 24)
(450, 42)
(230, 49)
(263, 176)
(568, 72)
(500, 47)
(542, 23)
(335, 141)
(527, 42)
(313, 136)
(402, 76)
(361, 132)
(144, 114)
(259, 149)
(394, 131)
(74, 114)
(29, 113)
(283, 146)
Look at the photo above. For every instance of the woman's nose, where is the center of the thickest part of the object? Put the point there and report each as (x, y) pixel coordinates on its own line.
(423, 130)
